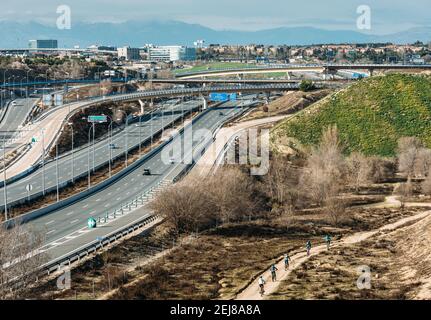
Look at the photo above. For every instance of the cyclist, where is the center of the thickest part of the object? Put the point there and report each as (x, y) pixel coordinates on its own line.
(328, 241)
(286, 261)
(308, 247)
(261, 283)
(273, 270)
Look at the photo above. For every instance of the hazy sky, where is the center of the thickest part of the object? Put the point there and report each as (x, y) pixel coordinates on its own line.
(387, 15)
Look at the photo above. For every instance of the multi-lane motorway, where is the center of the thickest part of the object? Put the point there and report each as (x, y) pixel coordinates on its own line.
(77, 164)
(65, 228)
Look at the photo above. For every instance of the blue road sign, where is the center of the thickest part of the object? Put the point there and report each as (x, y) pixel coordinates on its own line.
(219, 97)
(223, 97)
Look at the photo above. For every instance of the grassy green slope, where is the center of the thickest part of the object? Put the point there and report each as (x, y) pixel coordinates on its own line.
(371, 115)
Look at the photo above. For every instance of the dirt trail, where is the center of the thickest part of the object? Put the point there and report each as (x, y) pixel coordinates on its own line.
(251, 292)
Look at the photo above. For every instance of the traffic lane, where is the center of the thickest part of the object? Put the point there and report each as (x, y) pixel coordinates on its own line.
(59, 224)
(17, 190)
(17, 113)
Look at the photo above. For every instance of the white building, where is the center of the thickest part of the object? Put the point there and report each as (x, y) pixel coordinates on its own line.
(129, 53)
(172, 53)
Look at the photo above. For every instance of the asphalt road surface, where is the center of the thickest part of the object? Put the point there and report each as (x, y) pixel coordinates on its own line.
(15, 116)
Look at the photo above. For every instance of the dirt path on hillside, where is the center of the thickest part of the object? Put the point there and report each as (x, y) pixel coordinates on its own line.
(251, 292)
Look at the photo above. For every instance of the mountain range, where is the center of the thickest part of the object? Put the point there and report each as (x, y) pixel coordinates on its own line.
(137, 33)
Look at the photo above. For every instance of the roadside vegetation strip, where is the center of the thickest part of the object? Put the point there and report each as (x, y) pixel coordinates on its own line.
(371, 115)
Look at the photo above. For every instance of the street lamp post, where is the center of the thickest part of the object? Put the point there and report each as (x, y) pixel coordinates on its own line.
(140, 134)
(43, 160)
(94, 151)
(73, 152)
(110, 148)
(88, 158)
(151, 126)
(26, 88)
(110, 143)
(126, 137)
(4, 179)
(56, 170)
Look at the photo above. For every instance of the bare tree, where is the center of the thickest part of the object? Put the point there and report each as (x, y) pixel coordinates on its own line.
(404, 190)
(282, 182)
(423, 162)
(426, 184)
(233, 194)
(359, 169)
(19, 259)
(408, 150)
(382, 168)
(322, 175)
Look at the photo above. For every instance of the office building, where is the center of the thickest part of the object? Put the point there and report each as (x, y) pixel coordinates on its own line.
(43, 44)
(172, 53)
(129, 53)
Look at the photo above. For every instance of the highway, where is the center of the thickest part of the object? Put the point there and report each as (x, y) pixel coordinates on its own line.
(65, 229)
(16, 191)
(53, 121)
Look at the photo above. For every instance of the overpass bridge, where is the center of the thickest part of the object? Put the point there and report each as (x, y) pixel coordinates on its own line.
(203, 91)
(58, 82)
(171, 81)
(287, 68)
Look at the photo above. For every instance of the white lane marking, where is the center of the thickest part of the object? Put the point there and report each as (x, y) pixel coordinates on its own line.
(85, 206)
(50, 231)
(52, 221)
(74, 221)
(70, 213)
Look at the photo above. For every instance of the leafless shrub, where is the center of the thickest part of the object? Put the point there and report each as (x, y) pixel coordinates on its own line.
(232, 194)
(186, 206)
(335, 209)
(195, 204)
(412, 157)
(18, 259)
